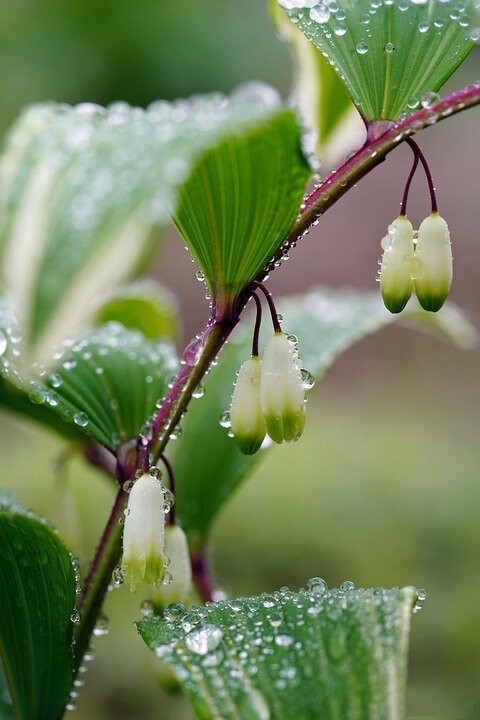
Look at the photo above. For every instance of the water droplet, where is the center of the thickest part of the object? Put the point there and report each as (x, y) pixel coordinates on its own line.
(320, 14)
(200, 276)
(224, 420)
(317, 586)
(75, 617)
(55, 380)
(429, 99)
(69, 364)
(204, 640)
(80, 419)
(117, 576)
(102, 626)
(283, 640)
(199, 391)
(174, 612)
(340, 30)
(420, 598)
(347, 586)
(389, 47)
(127, 486)
(146, 608)
(362, 48)
(308, 379)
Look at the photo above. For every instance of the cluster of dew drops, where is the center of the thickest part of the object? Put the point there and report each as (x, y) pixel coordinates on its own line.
(330, 17)
(253, 629)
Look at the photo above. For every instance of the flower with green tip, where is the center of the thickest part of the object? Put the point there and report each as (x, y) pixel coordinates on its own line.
(143, 558)
(396, 266)
(433, 269)
(179, 588)
(246, 418)
(281, 390)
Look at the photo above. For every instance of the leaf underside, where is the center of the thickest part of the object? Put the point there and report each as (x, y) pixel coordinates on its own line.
(336, 655)
(37, 596)
(389, 55)
(240, 202)
(208, 464)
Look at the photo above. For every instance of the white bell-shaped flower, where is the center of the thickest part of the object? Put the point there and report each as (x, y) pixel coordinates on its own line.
(433, 268)
(246, 419)
(396, 268)
(144, 533)
(179, 587)
(281, 389)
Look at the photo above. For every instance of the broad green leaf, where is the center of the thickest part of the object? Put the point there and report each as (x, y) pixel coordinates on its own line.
(146, 306)
(337, 655)
(104, 385)
(37, 597)
(208, 464)
(241, 200)
(319, 92)
(83, 187)
(391, 54)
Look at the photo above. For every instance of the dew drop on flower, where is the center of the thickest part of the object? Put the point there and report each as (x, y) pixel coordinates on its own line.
(308, 379)
(362, 48)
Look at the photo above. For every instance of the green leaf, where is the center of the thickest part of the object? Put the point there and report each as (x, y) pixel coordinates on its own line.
(291, 655)
(104, 384)
(208, 464)
(319, 92)
(83, 187)
(389, 55)
(37, 597)
(146, 306)
(241, 200)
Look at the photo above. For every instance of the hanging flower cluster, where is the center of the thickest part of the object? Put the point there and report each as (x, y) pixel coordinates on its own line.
(155, 553)
(269, 395)
(420, 262)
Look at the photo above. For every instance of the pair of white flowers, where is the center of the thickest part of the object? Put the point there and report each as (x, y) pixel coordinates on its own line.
(425, 267)
(269, 397)
(150, 548)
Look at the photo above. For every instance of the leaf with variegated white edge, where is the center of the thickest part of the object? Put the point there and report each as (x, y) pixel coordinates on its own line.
(81, 189)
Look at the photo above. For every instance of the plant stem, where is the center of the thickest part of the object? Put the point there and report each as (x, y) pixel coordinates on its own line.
(418, 154)
(371, 154)
(197, 358)
(258, 323)
(98, 579)
(382, 139)
(403, 207)
(201, 576)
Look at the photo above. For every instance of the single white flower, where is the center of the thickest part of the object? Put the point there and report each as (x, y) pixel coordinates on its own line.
(396, 283)
(144, 533)
(246, 419)
(281, 390)
(179, 588)
(433, 269)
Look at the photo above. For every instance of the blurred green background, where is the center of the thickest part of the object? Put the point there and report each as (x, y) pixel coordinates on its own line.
(384, 488)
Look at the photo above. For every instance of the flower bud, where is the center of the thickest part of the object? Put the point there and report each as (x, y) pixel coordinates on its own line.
(179, 588)
(281, 390)
(144, 533)
(246, 417)
(396, 282)
(433, 268)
